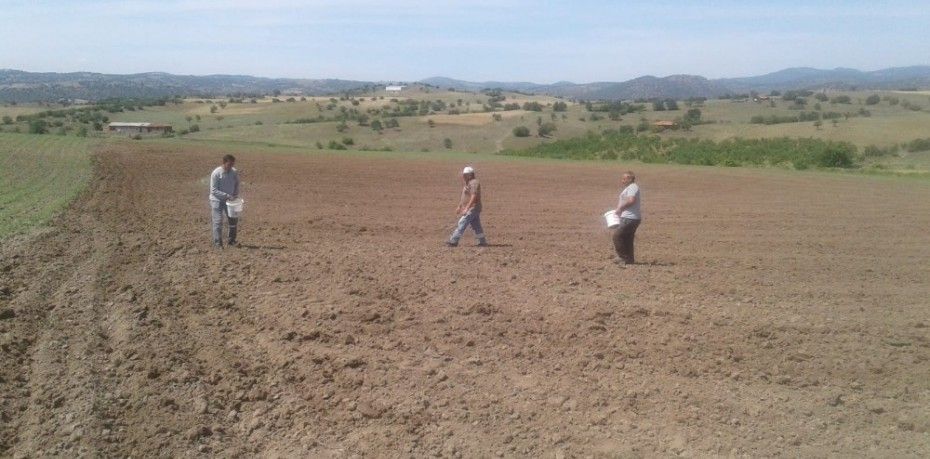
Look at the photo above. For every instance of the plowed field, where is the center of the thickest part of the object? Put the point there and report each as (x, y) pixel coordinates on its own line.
(771, 313)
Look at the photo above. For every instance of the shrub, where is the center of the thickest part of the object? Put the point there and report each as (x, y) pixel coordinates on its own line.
(333, 145)
(7, 119)
(194, 128)
(918, 145)
(447, 142)
(545, 129)
(654, 149)
(873, 151)
(559, 106)
(834, 156)
(521, 131)
(873, 99)
(348, 141)
(38, 127)
(533, 106)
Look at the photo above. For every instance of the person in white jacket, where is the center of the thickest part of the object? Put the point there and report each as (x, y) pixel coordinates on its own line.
(224, 186)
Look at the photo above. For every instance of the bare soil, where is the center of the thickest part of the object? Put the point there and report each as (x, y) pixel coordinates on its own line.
(770, 313)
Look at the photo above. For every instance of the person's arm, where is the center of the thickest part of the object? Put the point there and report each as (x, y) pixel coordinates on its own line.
(214, 188)
(458, 210)
(471, 203)
(625, 204)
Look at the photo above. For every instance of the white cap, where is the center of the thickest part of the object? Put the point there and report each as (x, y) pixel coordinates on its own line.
(468, 170)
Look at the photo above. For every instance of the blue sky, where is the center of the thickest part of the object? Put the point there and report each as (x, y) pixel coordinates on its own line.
(505, 40)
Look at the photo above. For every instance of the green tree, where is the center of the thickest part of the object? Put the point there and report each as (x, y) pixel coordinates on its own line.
(521, 131)
(559, 106)
(7, 119)
(873, 99)
(658, 106)
(546, 129)
(533, 107)
(376, 125)
(38, 127)
(817, 124)
(693, 116)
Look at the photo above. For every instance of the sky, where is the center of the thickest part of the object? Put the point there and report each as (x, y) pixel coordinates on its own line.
(478, 40)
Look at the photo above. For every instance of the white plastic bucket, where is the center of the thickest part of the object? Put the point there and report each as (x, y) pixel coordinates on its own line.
(234, 207)
(612, 219)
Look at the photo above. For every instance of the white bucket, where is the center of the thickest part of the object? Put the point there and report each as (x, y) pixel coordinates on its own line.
(612, 219)
(234, 207)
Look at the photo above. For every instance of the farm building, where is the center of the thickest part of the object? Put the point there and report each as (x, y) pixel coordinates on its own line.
(394, 88)
(139, 128)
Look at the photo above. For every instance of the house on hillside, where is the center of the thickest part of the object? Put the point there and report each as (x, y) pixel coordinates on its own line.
(394, 88)
(663, 125)
(138, 128)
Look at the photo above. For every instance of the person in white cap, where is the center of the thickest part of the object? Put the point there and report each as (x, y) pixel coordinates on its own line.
(469, 210)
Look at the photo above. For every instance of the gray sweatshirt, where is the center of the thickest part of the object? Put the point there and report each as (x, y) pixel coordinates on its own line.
(224, 185)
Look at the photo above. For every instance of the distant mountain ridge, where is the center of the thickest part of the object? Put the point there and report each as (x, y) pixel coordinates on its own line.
(21, 86)
(685, 86)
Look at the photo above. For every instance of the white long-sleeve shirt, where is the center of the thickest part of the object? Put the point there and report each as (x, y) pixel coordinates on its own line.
(224, 185)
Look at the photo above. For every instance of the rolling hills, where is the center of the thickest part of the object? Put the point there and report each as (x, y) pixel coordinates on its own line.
(20, 86)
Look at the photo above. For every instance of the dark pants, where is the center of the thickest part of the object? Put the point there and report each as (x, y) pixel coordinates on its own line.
(623, 239)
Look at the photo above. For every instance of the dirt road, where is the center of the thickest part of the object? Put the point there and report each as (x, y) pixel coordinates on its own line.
(771, 314)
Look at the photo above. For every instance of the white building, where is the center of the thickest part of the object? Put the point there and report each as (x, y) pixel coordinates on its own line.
(139, 128)
(394, 88)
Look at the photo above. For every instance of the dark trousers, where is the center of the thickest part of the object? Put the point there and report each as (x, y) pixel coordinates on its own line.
(623, 239)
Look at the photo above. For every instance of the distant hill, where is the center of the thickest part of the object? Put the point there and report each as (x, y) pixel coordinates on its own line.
(839, 78)
(20, 86)
(685, 86)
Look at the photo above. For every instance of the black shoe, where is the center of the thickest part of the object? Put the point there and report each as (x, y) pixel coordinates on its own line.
(482, 244)
(452, 244)
(232, 244)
